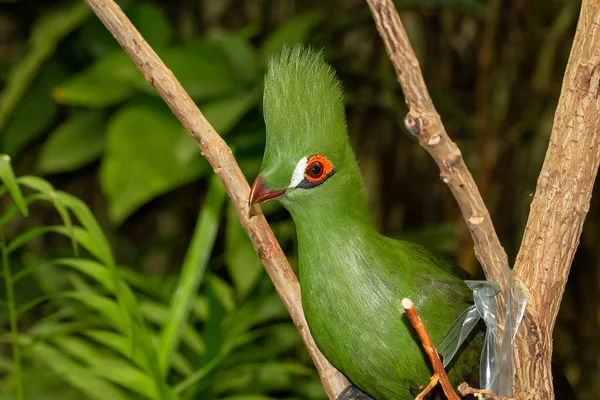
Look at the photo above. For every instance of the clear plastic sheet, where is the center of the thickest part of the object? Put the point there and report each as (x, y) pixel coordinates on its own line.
(496, 367)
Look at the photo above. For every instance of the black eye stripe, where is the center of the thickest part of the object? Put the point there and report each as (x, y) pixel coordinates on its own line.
(306, 184)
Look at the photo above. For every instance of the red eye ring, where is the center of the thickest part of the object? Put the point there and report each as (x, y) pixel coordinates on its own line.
(317, 168)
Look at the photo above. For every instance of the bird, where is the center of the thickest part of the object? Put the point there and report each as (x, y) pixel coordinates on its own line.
(352, 278)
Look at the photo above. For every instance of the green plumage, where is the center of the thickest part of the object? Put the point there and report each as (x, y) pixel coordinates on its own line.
(352, 278)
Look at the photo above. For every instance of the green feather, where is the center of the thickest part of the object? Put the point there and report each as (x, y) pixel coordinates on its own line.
(352, 278)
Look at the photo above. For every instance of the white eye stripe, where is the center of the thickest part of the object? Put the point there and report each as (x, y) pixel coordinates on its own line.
(298, 175)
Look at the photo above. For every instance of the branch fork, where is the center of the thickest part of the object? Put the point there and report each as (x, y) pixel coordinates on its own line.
(571, 165)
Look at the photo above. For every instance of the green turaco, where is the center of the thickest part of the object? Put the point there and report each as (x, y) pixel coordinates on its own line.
(352, 277)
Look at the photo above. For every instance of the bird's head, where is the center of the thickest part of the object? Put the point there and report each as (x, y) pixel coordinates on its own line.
(308, 160)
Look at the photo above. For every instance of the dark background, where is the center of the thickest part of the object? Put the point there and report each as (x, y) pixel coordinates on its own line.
(75, 111)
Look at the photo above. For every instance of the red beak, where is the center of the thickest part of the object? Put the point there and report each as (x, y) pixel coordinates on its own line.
(260, 193)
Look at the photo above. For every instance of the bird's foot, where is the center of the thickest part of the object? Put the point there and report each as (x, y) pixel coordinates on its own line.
(353, 393)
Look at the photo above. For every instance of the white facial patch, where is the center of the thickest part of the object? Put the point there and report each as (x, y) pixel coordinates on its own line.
(298, 175)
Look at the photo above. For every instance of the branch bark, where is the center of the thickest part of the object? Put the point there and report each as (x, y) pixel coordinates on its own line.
(220, 157)
(560, 205)
(563, 190)
(424, 122)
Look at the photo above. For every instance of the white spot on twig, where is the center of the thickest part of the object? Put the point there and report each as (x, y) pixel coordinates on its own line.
(6, 157)
(476, 219)
(407, 303)
(434, 140)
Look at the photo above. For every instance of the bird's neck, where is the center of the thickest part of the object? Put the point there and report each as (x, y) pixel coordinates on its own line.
(333, 223)
(342, 203)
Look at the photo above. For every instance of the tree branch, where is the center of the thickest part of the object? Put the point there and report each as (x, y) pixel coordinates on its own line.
(439, 373)
(562, 196)
(560, 205)
(220, 157)
(424, 122)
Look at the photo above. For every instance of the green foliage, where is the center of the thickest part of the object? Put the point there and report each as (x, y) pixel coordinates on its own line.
(147, 153)
(75, 109)
(143, 149)
(103, 84)
(192, 272)
(75, 143)
(22, 128)
(48, 31)
(104, 336)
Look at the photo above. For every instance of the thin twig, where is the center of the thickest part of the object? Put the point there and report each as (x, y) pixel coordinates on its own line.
(433, 381)
(438, 368)
(220, 157)
(424, 122)
(482, 394)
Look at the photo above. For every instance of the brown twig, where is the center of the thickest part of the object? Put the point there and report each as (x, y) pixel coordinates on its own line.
(424, 122)
(560, 205)
(439, 374)
(221, 159)
(482, 394)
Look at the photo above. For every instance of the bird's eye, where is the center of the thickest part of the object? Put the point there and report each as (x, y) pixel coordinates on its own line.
(318, 169)
(315, 170)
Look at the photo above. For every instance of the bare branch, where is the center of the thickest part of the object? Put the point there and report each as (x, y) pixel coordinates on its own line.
(424, 122)
(222, 161)
(560, 205)
(439, 375)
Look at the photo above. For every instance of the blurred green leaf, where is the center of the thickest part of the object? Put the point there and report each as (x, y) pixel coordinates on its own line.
(200, 374)
(253, 312)
(150, 20)
(122, 345)
(10, 182)
(147, 154)
(77, 375)
(241, 54)
(223, 292)
(202, 68)
(261, 377)
(35, 111)
(294, 31)
(95, 40)
(92, 269)
(104, 83)
(106, 366)
(28, 235)
(97, 241)
(224, 114)
(47, 32)
(104, 306)
(157, 313)
(73, 144)
(192, 272)
(44, 330)
(241, 260)
(49, 194)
